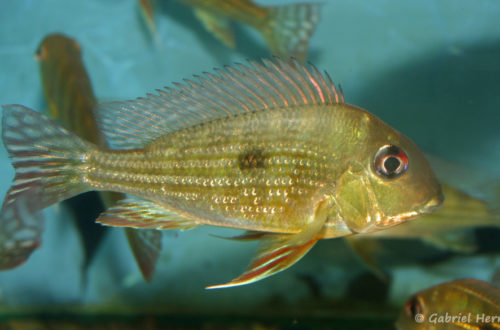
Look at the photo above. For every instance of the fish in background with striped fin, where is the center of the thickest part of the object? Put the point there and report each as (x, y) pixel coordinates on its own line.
(268, 147)
(286, 28)
(71, 100)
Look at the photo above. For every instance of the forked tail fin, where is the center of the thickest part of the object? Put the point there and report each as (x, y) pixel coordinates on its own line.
(47, 158)
(288, 29)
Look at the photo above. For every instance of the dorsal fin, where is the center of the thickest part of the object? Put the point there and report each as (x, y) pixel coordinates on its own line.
(228, 92)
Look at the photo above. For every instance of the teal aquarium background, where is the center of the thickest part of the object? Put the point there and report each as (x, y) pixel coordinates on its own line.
(429, 68)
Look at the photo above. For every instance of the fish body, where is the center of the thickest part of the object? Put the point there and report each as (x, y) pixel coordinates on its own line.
(459, 304)
(286, 28)
(71, 100)
(270, 148)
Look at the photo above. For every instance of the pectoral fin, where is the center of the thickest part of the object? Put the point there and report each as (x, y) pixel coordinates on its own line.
(143, 214)
(218, 25)
(277, 252)
(365, 249)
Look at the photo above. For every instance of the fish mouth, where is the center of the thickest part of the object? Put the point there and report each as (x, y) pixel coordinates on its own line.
(430, 205)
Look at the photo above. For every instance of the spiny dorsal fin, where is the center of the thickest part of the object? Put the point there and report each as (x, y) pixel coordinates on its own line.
(229, 92)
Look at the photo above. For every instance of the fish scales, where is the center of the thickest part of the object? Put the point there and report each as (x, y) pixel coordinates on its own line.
(200, 168)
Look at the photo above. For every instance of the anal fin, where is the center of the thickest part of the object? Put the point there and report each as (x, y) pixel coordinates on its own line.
(143, 214)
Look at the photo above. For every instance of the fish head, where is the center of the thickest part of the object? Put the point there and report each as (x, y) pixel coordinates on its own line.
(386, 182)
(58, 47)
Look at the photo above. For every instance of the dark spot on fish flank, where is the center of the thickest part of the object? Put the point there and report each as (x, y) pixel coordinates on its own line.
(250, 159)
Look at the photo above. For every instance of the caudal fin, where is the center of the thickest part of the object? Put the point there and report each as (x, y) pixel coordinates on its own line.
(21, 227)
(288, 29)
(47, 158)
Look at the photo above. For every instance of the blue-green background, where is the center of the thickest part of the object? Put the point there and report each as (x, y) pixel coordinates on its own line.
(430, 68)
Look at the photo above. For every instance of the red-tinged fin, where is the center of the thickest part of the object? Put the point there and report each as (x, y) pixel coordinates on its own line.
(143, 214)
(230, 92)
(276, 255)
(280, 251)
(218, 25)
(46, 157)
(288, 29)
(21, 228)
(146, 247)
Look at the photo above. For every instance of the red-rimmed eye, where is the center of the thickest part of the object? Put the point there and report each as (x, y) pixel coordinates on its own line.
(390, 162)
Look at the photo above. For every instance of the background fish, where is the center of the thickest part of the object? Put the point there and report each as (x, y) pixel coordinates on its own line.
(286, 28)
(268, 147)
(455, 298)
(71, 101)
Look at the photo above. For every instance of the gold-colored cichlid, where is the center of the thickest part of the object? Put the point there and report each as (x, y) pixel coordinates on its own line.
(267, 147)
(286, 28)
(459, 304)
(72, 102)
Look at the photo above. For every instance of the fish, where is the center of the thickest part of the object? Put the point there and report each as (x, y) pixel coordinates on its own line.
(458, 304)
(285, 28)
(69, 94)
(269, 147)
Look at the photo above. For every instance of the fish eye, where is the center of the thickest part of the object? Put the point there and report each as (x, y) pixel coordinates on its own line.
(390, 161)
(414, 306)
